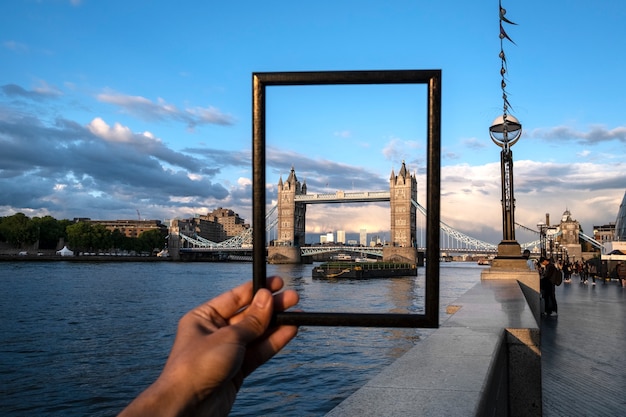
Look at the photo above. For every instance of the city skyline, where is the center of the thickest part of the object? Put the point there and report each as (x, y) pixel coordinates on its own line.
(111, 107)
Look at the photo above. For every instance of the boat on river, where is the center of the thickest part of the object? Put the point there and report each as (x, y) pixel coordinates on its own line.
(363, 270)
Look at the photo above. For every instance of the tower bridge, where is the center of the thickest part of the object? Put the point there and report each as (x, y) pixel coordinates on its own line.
(287, 219)
(293, 198)
(452, 241)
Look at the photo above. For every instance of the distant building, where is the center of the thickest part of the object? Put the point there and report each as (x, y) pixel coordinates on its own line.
(129, 228)
(570, 229)
(615, 251)
(403, 190)
(604, 233)
(363, 237)
(341, 236)
(292, 215)
(570, 236)
(216, 226)
(230, 224)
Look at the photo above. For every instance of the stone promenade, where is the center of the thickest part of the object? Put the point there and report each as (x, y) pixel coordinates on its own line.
(584, 351)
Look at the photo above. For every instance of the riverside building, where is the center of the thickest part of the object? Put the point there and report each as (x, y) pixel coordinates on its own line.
(129, 228)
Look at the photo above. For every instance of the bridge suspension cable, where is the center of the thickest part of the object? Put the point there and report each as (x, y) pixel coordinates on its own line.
(242, 240)
(591, 240)
(469, 241)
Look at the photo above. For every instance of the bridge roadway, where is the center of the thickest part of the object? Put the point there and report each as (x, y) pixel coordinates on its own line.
(319, 249)
(344, 197)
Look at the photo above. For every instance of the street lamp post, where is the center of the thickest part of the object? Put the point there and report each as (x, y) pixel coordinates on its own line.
(505, 131)
(551, 241)
(542, 238)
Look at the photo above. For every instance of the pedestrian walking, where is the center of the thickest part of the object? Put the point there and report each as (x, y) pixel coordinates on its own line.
(547, 283)
(593, 271)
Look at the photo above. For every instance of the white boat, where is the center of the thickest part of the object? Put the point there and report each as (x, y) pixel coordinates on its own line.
(365, 260)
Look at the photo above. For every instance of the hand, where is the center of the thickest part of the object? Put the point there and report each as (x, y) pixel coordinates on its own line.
(217, 345)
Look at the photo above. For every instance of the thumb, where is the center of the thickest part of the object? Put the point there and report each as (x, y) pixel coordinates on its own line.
(257, 316)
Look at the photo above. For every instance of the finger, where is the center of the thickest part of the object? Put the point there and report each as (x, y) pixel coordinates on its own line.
(274, 283)
(274, 339)
(285, 300)
(263, 350)
(282, 301)
(254, 321)
(228, 303)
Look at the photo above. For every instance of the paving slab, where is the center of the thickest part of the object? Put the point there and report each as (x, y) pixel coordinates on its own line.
(584, 351)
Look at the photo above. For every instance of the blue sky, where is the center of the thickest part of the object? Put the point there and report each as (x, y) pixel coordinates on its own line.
(109, 107)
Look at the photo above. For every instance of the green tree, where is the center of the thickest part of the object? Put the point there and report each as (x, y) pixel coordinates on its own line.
(100, 237)
(63, 226)
(18, 230)
(79, 236)
(150, 240)
(119, 240)
(49, 231)
(87, 237)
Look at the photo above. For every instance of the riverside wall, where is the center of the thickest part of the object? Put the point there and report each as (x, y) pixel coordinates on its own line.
(484, 360)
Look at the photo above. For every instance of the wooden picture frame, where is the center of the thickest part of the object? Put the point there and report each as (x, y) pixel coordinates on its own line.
(432, 79)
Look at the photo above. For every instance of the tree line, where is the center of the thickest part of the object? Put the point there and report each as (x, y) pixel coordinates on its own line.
(21, 231)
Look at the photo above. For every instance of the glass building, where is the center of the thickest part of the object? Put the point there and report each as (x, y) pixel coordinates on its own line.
(620, 222)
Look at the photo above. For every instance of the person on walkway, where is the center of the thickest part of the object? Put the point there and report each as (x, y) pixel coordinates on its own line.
(579, 271)
(547, 285)
(217, 345)
(567, 271)
(593, 271)
(621, 273)
(529, 262)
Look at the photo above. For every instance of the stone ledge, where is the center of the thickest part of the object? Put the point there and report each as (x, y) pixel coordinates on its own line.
(462, 368)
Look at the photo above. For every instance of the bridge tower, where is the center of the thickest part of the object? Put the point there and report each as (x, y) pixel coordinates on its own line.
(402, 190)
(291, 225)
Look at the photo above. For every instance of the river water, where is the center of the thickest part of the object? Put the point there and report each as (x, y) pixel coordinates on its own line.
(81, 339)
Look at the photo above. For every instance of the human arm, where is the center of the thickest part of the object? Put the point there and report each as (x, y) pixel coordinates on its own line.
(217, 345)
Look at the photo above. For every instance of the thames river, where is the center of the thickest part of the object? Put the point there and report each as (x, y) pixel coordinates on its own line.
(81, 339)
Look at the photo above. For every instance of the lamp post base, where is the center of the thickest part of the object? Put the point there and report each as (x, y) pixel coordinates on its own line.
(509, 256)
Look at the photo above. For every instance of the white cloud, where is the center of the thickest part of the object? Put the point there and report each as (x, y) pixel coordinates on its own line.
(45, 89)
(161, 110)
(397, 149)
(596, 134)
(471, 195)
(244, 182)
(117, 133)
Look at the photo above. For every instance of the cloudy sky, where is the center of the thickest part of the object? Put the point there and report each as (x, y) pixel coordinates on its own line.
(109, 108)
